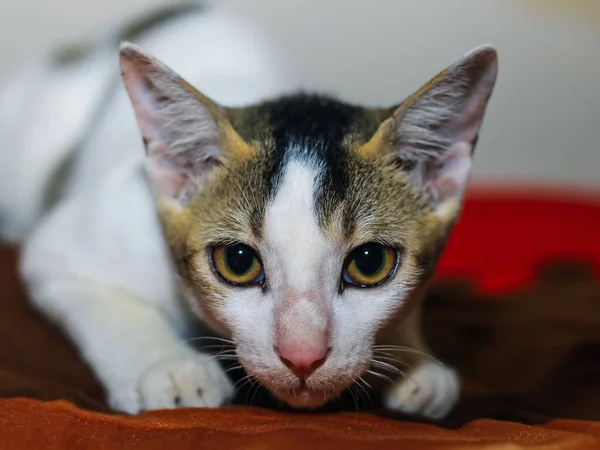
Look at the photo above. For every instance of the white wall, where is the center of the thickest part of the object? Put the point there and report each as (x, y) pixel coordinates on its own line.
(544, 120)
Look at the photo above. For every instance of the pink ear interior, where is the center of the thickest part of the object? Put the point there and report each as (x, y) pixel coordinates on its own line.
(448, 178)
(168, 179)
(440, 129)
(143, 101)
(179, 132)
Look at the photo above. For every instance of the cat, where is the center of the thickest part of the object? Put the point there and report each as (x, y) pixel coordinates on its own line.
(298, 228)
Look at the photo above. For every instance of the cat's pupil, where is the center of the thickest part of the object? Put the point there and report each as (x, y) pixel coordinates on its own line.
(369, 258)
(240, 258)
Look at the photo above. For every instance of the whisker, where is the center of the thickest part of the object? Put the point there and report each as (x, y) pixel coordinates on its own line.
(226, 350)
(235, 367)
(386, 366)
(225, 353)
(380, 375)
(353, 397)
(199, 338)
(232, 354)
(258, 388)
(359, 396)
(363, 380)
(366, 393)
(245, 380)
(394, 369)
(253, 383)
(391, 359)
(243, 385)
(226, 358)
(397, 348)
(215, 338)
(216, 349)
(221, 346)
(402, 373)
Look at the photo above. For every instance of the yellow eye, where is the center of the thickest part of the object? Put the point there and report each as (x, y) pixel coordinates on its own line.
(370, 265)
(237, 264)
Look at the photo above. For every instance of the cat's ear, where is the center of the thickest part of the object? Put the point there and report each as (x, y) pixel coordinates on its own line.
(432, 134)
(185, 133)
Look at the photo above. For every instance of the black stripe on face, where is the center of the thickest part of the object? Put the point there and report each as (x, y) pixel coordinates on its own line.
(314, 129)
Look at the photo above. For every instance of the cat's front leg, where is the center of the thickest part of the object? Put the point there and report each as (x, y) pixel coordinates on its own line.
(132, 347)
(427, 387)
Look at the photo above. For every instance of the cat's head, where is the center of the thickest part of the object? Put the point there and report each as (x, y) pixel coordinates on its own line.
(300, 227)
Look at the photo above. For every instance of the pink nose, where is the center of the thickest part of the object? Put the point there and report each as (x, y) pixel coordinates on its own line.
(302, 362)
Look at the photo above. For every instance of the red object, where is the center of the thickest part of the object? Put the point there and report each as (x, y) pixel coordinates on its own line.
(505, 235)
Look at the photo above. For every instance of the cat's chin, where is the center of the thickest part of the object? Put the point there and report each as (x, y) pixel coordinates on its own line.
(305, 397)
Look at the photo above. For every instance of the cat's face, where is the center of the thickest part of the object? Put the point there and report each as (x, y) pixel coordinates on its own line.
(298, 272)
(300, 227)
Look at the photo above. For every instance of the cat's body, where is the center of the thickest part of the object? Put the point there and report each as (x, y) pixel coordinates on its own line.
(296, 182)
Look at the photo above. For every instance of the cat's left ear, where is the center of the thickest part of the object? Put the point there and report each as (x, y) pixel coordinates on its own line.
(185, 133)
(432, 135)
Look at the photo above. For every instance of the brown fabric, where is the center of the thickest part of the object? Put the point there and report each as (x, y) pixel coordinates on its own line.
(531, 357)
(60, 426)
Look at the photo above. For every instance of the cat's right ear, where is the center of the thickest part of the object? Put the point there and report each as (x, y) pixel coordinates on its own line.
(185, 133)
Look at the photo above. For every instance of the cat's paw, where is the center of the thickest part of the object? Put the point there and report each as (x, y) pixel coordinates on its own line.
(429, 389)
(192, 381)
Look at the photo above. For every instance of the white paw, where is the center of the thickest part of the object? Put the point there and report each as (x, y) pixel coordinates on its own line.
(191, 381)
(429, 389)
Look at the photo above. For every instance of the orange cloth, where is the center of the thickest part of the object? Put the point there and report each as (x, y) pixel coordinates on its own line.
(30, 424)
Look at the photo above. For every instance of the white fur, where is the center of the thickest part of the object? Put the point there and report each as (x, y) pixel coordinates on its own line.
(429, 389)
(291, 214)
(43, 112)
(98, 264)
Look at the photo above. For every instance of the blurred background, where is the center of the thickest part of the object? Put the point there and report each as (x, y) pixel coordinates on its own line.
(543, 123)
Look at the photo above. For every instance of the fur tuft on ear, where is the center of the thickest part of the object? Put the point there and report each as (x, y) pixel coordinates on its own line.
(184, 131)
(434, 132)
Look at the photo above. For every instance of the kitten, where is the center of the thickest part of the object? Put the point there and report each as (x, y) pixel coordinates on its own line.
(302, 229)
